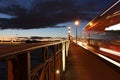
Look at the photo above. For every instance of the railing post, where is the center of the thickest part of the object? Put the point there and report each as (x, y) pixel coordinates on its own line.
(19, 67)
(28, 65)
(67, 48)
(10, 70)
(58, 62)
(63, 56)
(54, 54)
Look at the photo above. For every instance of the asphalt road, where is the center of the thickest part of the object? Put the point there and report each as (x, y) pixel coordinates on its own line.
(83, 65)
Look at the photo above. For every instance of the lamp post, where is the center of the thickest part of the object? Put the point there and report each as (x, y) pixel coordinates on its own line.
(90, 24)
(69, 32)
(76, 24)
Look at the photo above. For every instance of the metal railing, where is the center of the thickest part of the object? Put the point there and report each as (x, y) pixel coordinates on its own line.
(46, 62)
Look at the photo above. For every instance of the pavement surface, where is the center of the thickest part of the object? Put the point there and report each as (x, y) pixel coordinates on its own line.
(83, 65)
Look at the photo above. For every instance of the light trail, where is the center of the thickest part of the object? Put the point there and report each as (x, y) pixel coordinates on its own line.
(100, 55)
(110, 51)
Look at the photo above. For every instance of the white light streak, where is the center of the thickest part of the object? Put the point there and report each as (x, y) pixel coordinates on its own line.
(110, 8)
(110, 60)
(104, 57)
(110, 51)
(114, 27)
(83, 45)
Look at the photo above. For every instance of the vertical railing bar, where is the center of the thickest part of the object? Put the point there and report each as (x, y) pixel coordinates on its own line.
(10, 70)
(55, 61)
(29, 65)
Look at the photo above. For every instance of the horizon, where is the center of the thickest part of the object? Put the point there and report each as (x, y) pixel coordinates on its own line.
(43, 32)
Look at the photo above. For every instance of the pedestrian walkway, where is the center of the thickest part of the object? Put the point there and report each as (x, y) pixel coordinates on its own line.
(83, 65)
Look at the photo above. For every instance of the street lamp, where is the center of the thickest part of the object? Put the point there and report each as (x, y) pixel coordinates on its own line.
(76, 24)
(69, 32)
(90, 24)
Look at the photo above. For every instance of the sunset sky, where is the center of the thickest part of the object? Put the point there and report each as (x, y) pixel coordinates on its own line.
(47, 18)
(42, 32)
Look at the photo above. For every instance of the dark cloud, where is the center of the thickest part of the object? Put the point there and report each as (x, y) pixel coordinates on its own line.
(45, 13)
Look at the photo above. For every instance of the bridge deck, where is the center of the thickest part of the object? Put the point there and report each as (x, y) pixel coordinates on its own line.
(83, 65)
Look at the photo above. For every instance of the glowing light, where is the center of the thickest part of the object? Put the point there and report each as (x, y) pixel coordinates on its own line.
(91, 24)
(110, 51)
(57, 71)
(69, 27)
(69, 31)
(114, 27)
(77, 23)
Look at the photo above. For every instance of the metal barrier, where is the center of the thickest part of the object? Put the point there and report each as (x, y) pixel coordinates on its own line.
(46, 62)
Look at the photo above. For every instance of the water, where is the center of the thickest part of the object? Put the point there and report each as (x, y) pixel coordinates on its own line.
(3, 70)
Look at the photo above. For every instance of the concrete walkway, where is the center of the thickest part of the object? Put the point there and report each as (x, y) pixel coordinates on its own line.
(83, 65)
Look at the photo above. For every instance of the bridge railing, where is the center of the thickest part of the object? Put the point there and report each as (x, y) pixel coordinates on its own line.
(46, 62)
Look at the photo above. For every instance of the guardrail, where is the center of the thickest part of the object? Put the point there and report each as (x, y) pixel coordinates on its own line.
(46, 62)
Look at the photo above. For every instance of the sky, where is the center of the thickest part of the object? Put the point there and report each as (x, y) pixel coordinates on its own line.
(47, 18)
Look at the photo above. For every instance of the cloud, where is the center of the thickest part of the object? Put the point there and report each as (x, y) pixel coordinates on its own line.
(45, 13)
(6, 16)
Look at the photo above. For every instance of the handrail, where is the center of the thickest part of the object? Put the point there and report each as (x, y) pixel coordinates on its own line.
(44, 62)
(29, 49)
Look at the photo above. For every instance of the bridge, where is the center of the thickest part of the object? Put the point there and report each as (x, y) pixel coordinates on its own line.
(62, 60)
(95, 56)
